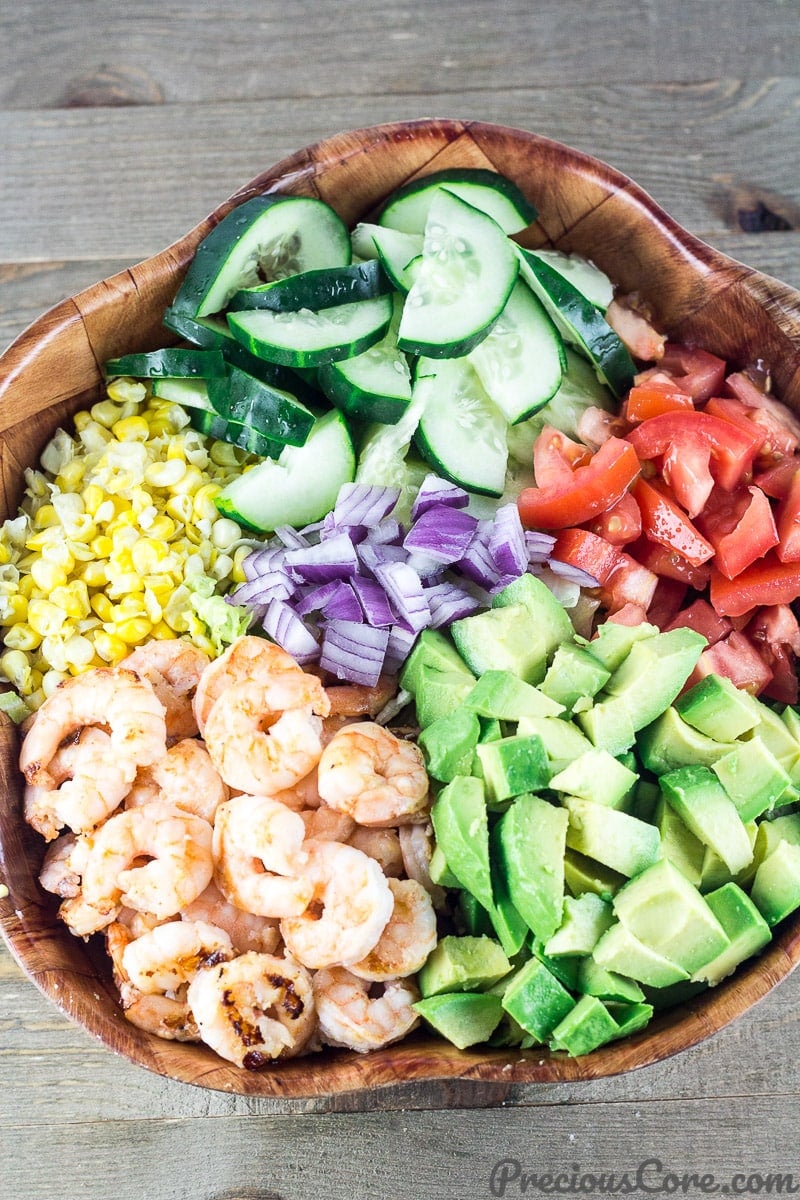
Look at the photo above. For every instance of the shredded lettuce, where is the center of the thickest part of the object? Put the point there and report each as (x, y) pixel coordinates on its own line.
(224, 621)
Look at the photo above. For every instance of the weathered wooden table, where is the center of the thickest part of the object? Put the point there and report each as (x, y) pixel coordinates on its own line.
(121, 127)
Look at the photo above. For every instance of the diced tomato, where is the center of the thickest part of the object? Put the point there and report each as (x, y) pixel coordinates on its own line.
(767, 581)
(783, 685)
(697, 373)
(687, 470)
(588, 552)
(620, 524)
(629, 583)
(555, 456)
(629, 614)
(590, 490)
(635, 332)
(776, 634)
(779, 422)
(665, 522)
(776, 480)
(700, 617)
(667, 600)
(740, 526)
(789, 522)
(732, 447)
(777, 442)
(737, 659)
(663, 561)
(651, 398)
(596, 425)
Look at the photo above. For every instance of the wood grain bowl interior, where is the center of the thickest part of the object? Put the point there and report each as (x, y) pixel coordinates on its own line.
(55, 367)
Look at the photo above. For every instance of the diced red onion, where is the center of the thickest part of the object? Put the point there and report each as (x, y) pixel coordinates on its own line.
(539, 545)
(507, 541)
(435, 490)
(334, 558)
(372, 599)
(477, 562)
(291, 538)
(343, 605)
(398, 647)
(405, 594)
(314, 597)
(363, 504)
(448, 602)
(374, 556)
(287, 629)
(442, 534)
(389, 532)
(260, 561)
(573, 574)
(271, 585)
(354, 651)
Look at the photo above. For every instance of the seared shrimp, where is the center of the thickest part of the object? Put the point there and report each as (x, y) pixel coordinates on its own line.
(416, 847)
(325, 824)
(246, 930)
(381, 844)
(87, 782)
(63, 866)
(358, 700)
(263, 738)
(249, 659)
(173, 667)
(253, 1009)
(171, 954)
(407, 940)
(350, 1015)
(348, 911)
(178, 846)
(259, 858)
(166, 1016)
(379, 779)
(185, 777)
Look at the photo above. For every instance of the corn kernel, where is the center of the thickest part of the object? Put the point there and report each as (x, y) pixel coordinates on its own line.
(32, 683)
(16, 668)
(122, 583)
(125, 390)
(105, 511)
(162, 527)
(102, 606)
(224, 532)
(78, 652)
(152, 607)
(45, 617)
(81, 420)
(94, 574)
(131, 429)
(162, 631)
(129, 606)
(222, 567)
(70, 476)
(237, 571)
(45, 516)
(5, 553)
(224, 454)
(134, 630)
(93, 497)
(203, 505)
(51, 680)
(105, 412)
(101, 546)
(109, 647)
(47, 575)
(191, 480)
(159, 584)
(147, 553)
(176, 451)
(73, 598)
(26, 587)
(165, 474)
(22, 637)
(180, 507)
(13, 609)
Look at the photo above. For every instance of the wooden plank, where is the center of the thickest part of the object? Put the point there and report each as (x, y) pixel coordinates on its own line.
(110, 183)
(249, 50)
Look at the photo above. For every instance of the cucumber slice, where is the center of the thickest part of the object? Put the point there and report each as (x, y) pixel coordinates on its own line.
(407, 208)
(394, 249)
(244, 436)
(267, 237)
(211, 333)
(580, 389)
(467, 271)
(322, 288)
(375, 385)
(521, 362)
(172, 363)
(579, 322)
(461, 433)
(308, 338)
(590, 281)
(189, 393)
(273, 412)
(299, 487)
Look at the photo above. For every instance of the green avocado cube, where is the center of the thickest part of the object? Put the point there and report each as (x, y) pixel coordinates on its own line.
(440, 693)
(464, 1018)
(562, 740)
(449, 744)
(597, 776)
(678, 843)
(715, 707)
(746, 929)
(752, 777)
(506, 639)
(620, 951)
(668, 743)
(771, 833)
(463, 964)
(573, 675)
(439, 871)
(595, 980)
(536, 1000)
(654, 673)
(645, 800)
(613, 642)
(506, 697)
(704, 806)
(777, 736)
(608, 724)
(512, 766)
(715, 872)
(509, 925)
(435, 651)
(588, 1025)
(585, 920)
(582, 874)
(547, 613)
(630, 1018)
(530, 853)
(461, 827)
(614, 838)
(776, 887)
(474, 917)
(565, 967)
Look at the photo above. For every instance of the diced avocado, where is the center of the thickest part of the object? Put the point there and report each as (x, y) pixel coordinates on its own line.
(462, 832)
(620, 951)
(667, 913)
(791, 719)
(776, 887)
(746, 929)
(715, 707)
(431, 649)
(645, 800)
(752, 777)
(613, 642)
(573, 675)
(777, 736)
(614, 838)
(630, 1018)
(608, 725)
(678, 843)
(530, 849)
(582, 874)
(509, 925)
(771, 833)
(597, 776)
(586, 1027)
(449, 744)
(674, 993)
(536, 1000)
(585, 919)
(704, 806)
(715, 872)
(505, 696)
(463, 964)
(565, 967)
(465, 1018)
(547, 613)
(439, 871)
(669, 742)
(506, 639)
(513, 766)
(654, 672)
(474, 917)
(595, 980)
(440, 693)
(491, 729)
(562, 740)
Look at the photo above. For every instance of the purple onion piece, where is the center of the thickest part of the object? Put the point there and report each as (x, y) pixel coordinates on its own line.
(405, 594)
(374, 556)
(539, 545)
(262, 560)
(314, 597)
(435, 490)
(334, 558)
(442, 534)
(354, 651)
(507, 542)
(343, 605)
(389, 532)
(573, 574)
(398, 647)
(477, 563)
(363, 504)
(271, 585)
(287, 629)
(448, 602)
(372, 599)
(290, 537)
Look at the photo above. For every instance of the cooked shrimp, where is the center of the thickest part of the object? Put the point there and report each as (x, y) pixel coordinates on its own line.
(349, 1015)
(358, 700)
(139, 923)
(325, 824)
(171, 954)
(185, 777)
(304, 794)
(166, 1016)
(377, 778)
(416, 847)
(263, 738)
(348, 911)
(246, 930)
(381, 844)
(407, 940)
(63, 866)
(88, 781)
(178, 846)
(173, 667)
(253, 1009)
(259, 858)
(249, 659)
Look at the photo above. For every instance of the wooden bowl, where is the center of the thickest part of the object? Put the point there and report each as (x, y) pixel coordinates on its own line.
(53, 369)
